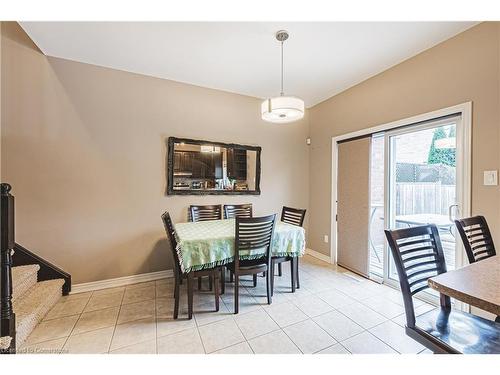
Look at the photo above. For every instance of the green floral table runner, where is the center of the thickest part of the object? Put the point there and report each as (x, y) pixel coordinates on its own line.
(207, 244)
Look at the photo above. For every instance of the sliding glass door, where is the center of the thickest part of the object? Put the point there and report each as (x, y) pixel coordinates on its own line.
(421, 183)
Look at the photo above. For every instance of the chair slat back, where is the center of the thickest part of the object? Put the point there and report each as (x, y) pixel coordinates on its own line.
(253, 234)
(294, 216)
(232, 211)
(172, 239)
(205, 213)
(418, 255)
(476, 237)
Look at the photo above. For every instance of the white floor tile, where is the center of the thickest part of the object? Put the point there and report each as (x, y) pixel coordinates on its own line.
(220, 335)
(285, 314)
(338, 325)
(184, 342)
(276, 342)
(366, 343)
(255, 323)
(364, 316)
(309, 337)
(395, 336)
(334, 349)
(241, 348)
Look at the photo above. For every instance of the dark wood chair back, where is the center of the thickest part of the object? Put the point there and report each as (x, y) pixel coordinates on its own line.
(294, 216)
(252, 234)
(418, 255)
(205, 213)
(232, 211)
(169, 228)
(476, 238)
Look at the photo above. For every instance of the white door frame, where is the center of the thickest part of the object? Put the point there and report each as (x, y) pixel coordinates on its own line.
(463, 136)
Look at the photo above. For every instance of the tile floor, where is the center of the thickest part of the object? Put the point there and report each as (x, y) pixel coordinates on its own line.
(334, 312)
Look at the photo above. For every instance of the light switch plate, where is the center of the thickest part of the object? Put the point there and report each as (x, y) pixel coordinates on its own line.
(325, 238)
(490, 178)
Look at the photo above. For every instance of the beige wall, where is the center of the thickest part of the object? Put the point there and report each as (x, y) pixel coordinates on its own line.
(464, 68)
(84, 148)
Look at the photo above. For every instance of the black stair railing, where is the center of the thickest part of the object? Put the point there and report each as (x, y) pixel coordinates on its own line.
(7, 316)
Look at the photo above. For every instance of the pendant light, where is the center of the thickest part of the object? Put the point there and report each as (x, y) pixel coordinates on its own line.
(282, 109)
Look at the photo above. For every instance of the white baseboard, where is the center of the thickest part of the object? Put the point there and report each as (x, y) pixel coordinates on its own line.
(120, 281)
(320, 256)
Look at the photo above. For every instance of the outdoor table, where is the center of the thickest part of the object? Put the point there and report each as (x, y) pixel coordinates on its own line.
(207, 244)
(441, 221)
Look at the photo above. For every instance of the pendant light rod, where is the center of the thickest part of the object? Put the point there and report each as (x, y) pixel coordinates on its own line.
(281, 36)
(282, 92)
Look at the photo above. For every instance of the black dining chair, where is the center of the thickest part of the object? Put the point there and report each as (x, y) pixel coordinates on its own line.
(232, 211)
(252, 234)
(418, 255)
(293, 216)
(179, 275)
(237, 210)
(205, 213)
(476, 238)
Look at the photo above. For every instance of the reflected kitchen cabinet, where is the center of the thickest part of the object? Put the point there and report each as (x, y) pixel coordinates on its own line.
(204, 167)
(237, 164)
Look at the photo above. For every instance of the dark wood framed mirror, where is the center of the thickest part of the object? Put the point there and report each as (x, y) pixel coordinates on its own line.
(197, 167)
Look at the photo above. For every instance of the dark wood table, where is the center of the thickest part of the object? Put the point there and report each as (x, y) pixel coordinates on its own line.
(477, 284)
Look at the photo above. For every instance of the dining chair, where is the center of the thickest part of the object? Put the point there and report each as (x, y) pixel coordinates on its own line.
(179, 275)
(476, 238)
(293, 216)
(418, 255)
(237, 210)
(253, 235)
(205, 213)
(232, 211)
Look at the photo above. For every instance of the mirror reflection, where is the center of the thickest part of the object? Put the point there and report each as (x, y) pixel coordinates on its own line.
(213, 168)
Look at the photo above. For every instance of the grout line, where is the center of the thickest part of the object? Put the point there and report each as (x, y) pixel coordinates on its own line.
(79, 317)
(155, 313)
(117, 316)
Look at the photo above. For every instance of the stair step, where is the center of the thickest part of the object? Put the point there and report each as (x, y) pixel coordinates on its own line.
(32, 307)
(4, 342)
(23, 278)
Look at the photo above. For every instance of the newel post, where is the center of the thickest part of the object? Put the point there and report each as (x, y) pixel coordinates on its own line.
(7, 316)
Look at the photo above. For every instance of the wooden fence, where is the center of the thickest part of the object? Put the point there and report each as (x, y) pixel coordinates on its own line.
(417, 198)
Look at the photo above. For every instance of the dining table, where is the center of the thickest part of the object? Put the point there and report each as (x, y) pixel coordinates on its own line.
(477, 284)
(207, 244)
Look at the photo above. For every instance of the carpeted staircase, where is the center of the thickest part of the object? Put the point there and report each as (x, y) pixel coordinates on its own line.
(32, 300)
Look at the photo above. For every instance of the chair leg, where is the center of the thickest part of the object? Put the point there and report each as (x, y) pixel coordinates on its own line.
(255, 280)
(280, 270)
(292, 271)
(190, 296)
(269, 286)
(210, 283)
(272, 277)
(223, 279)
(236, 293)
(199, 283)
(231, 276)
(297, 275)
(176, 297)
(216, 289)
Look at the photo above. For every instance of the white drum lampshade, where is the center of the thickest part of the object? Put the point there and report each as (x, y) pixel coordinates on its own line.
(282, 109)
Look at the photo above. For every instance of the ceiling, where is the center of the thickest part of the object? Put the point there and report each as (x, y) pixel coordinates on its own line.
(321, 59)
